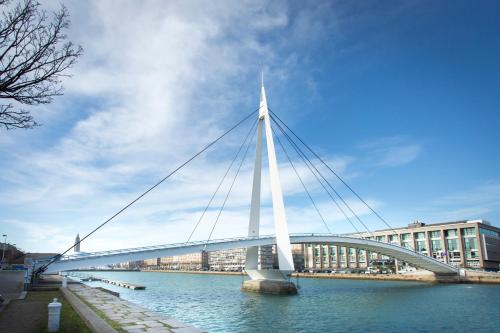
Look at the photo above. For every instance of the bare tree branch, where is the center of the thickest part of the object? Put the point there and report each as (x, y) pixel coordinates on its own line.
(34, 56)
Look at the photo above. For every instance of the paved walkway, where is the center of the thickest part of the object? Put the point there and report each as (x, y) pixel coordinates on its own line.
(131, 317)
(11, 284)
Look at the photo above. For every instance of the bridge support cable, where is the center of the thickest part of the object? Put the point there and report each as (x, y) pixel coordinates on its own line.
(55, 258)
(229, 191)
(315, 172)
(302, 182)
(252, 128)
(306, 162)
(309, 163)
(335, 173)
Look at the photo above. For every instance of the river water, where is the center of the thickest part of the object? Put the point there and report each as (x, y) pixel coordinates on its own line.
(215, 303)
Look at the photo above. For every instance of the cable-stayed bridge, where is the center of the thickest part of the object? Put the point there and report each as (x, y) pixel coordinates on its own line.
(282, 238)
(96, 259)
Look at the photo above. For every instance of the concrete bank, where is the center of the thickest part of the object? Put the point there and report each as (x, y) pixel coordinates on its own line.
(121, 315)
(422, 276)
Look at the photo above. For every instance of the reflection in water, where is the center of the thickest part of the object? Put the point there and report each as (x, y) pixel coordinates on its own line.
(216, 304)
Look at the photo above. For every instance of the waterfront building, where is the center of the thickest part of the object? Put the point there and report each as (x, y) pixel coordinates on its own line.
(188, 262)
(226, 260)
(152, 263)
(468, 244)
(234, 259)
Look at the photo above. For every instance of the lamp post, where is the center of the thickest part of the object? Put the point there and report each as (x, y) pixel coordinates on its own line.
(3, 252)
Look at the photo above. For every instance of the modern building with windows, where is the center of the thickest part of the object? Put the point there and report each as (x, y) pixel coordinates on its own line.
(469, 244)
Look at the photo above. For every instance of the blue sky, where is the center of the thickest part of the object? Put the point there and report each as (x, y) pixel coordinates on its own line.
(401, 97)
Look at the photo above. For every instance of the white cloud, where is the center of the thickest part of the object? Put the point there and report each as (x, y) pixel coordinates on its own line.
(158, 80)
(391, 151)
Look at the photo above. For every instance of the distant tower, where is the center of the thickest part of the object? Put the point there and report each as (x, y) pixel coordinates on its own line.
(77, 243)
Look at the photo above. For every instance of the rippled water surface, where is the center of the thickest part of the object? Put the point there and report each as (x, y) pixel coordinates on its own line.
(215, 303)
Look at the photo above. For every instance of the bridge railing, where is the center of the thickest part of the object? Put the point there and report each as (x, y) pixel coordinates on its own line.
(162, 246)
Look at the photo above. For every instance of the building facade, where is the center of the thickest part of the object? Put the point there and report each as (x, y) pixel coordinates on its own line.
(233, 260)
(468, 244)
(188, 262)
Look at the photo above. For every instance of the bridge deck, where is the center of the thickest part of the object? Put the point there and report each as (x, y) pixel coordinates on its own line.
(95, 259)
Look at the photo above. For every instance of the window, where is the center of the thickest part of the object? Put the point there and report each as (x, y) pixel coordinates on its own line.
(488, 232)
(421, 247)
(435, 234)
(451, 233)
(419, 235)
(352, 254)
(381, 238)
(452, 244)
(393, 238)
(405, 237)
(469, 231)
(407, 245)
(436, 245)
(470, 243)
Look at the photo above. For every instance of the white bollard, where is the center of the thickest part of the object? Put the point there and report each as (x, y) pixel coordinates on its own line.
(65, 281)
(54, 315)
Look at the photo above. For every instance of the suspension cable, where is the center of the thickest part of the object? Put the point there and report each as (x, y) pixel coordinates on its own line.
(44, 267)
(222, 180)
(303, 184)
(336, 175)
(228, 193)
(309, 163)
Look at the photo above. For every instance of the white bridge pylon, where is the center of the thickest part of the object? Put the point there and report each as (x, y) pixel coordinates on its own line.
(283, 247)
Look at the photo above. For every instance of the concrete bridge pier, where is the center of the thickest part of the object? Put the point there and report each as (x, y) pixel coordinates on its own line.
(269, 281)
(268, 286)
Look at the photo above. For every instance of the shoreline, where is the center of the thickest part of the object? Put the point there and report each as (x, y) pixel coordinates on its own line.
(120, 315)
(419, 276)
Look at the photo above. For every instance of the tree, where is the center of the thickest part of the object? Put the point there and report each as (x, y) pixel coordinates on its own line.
(34, 57)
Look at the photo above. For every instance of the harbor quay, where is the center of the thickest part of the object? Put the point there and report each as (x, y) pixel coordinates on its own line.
(125, 316)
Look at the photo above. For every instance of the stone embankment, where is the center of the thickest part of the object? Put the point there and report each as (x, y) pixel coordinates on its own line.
(469, 276)
(423, 276)
(119, 314)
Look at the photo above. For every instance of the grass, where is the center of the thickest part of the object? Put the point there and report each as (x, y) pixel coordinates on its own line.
(70, 320)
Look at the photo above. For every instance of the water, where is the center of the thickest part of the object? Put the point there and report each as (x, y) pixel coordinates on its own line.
(215, 303)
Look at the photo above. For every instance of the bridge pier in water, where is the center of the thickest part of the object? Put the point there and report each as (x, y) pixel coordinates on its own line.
(267, 286)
